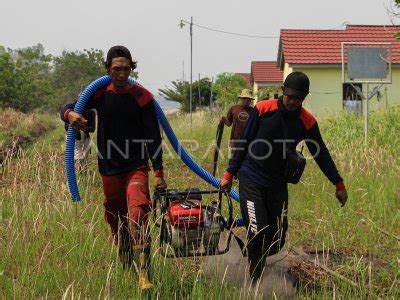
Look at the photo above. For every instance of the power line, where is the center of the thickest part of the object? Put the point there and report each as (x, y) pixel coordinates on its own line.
(183, 22)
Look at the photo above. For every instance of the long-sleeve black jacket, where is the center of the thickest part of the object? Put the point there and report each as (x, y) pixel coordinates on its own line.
(259, 158)
(128, 133)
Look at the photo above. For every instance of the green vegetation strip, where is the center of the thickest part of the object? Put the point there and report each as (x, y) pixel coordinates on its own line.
(52, 247)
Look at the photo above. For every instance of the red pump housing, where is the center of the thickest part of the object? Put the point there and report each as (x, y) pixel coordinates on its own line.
(187, 213)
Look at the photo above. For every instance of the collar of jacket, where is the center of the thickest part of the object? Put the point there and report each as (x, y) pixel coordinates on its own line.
(287, 113)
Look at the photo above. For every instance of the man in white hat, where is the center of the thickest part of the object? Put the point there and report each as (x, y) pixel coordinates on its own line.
(238, 115)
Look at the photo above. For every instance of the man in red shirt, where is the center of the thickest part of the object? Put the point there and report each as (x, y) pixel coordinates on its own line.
(238, 115)
(128, 135)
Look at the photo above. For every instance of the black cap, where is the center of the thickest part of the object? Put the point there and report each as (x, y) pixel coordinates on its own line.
(297, 85)
(119, 51)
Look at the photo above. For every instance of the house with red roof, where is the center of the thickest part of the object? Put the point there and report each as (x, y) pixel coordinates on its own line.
(318, 54)
(246, 76)
(265, 74)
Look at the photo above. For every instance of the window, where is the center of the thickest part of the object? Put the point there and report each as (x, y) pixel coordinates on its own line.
(350, 93)
(352, 96)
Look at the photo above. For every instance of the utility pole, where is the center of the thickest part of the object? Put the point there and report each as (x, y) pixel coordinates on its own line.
(386, 98)
(366, 111)
(181, 24)
(211, 94)
(199, 92)
(183, 71)
(191, 74)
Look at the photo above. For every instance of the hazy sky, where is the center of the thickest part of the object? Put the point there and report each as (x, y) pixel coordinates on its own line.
(150, 29)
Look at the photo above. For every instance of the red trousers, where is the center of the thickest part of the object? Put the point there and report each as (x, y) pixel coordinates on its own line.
(127, 205)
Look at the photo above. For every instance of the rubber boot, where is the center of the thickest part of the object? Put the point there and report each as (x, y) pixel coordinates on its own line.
(141, 258)
(124, 249)
(125, 256)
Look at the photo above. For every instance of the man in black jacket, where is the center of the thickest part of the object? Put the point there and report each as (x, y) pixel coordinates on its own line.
(259, 161)
(128, 135)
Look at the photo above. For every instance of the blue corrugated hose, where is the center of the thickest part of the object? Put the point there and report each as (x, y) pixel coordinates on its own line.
(69, 150)
(186, 158)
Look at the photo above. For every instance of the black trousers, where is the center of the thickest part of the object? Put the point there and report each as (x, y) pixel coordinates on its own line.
(264, 214)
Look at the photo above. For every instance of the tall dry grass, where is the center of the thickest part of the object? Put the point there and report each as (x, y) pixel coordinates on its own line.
(18, 129)
(14, 122)
(53, 248)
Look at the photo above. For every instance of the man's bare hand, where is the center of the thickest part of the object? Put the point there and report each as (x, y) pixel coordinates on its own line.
(77, 120)
(159, 183)
(225, 120)
(341, 195)
(226, 184)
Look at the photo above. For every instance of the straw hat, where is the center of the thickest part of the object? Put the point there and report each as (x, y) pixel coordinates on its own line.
(246, 93)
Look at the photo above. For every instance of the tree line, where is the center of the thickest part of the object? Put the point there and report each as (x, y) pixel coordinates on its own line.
(223, 91)
(31, 80)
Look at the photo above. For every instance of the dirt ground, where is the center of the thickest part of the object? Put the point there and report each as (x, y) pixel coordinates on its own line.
(280, 276)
